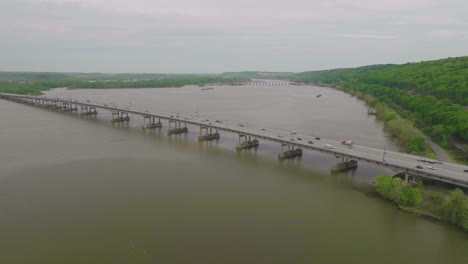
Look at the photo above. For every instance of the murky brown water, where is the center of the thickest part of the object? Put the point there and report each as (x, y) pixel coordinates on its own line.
(77, 190)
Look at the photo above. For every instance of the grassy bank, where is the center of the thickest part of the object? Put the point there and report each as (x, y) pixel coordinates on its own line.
(451, 208)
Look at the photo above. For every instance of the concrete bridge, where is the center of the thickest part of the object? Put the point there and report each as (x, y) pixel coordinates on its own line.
(292, 144)
(259, 83)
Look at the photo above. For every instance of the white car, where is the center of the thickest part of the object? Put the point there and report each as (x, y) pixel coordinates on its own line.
(327, 146)
(430, 167)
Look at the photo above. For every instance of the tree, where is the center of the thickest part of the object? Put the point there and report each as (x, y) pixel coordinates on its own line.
(456, 211)
(411, 197)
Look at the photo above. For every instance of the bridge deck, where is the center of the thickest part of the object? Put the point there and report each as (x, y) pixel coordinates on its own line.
(446, 172)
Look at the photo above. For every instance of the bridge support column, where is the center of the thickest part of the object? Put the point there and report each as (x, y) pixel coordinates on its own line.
(342, 163)
(247, 142)
(208, 135)
(69, 107)
(177, 127)
(48, 104)
(150, 123)
(56, 106)
(290, 152)
(88, 110)
(119, 117)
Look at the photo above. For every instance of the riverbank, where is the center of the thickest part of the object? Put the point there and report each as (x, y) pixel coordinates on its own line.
(451, 208)
(431, 95)
(410, 138)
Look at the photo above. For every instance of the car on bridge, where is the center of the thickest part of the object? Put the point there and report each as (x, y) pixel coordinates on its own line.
(310, 142)
(327, 146)
(419, 167)
(430, 167)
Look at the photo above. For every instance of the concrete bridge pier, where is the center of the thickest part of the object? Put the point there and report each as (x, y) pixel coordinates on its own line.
(119, 117)
(245, 142)
(47, 104)
(208, 135)
(177, 129)
(290, 152)
(70, 107)
(342, 163)
(408, 176)
(57, 106)
(150, 123)
(88, 110)
(43, 103)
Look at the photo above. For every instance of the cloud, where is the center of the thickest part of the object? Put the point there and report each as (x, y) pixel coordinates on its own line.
(241, 32)
(366, 36)
(448, 33)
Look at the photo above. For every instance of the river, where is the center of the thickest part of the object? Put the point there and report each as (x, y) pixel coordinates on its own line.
(78, 190)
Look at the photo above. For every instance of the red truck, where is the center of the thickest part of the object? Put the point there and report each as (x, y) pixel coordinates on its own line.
(347, 142)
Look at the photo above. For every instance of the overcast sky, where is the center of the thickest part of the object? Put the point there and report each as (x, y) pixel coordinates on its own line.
(180, 36)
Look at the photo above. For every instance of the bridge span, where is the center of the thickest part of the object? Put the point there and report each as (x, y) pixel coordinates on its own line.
(292, 144)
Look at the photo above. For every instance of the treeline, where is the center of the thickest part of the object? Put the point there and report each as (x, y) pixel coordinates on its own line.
(31, 76)
(452, 208)
(430, 94)
(35, 87)
(409, 138)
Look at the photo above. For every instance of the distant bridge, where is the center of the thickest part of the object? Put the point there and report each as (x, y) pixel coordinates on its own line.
(292, 144)
(259, 83)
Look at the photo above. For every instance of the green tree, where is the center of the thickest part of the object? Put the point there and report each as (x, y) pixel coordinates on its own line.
(456, 211)
(416, 144)
(411, 197)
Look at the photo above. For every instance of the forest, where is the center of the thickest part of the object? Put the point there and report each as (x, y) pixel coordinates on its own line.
(433, 95)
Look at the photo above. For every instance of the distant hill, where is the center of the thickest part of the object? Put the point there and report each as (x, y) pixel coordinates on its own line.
(16, 76)
(44, 76)
(444, 79)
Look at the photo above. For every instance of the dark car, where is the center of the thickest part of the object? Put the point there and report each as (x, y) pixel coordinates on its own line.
(299, 138)
(419, 167)
(465, 170)
(317, 138)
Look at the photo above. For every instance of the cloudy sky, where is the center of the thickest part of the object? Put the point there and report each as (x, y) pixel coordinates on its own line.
(180, 36)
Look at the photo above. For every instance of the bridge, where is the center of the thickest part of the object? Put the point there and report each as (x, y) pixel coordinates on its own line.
(292, 144)
(259, 83)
